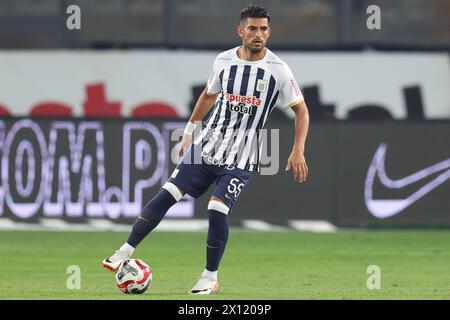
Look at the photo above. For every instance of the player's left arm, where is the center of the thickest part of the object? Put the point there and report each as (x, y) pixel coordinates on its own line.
(297, 161)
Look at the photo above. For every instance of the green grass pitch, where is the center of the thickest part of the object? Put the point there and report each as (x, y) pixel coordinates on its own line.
(256, 265)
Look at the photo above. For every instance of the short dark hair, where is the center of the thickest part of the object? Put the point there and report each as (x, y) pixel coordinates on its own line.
(255, 12)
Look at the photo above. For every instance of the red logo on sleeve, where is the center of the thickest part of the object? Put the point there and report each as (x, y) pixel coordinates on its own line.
(295, 87)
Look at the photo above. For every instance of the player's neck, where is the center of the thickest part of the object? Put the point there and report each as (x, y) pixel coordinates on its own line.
(245, 54)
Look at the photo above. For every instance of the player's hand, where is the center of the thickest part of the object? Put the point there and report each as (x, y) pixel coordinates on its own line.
(185, 143)
(297, 163)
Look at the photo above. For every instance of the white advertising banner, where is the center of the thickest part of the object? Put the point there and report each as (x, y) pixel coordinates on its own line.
(120, 83)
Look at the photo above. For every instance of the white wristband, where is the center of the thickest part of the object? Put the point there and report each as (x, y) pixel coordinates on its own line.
(189, 128)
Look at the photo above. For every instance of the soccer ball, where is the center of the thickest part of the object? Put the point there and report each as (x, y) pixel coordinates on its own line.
(134, 276)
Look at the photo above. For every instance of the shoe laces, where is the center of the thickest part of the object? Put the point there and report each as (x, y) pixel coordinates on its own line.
(119, 255)
(205, 281)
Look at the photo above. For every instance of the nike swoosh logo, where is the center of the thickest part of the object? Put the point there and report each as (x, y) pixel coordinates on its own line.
(384, 208)
(142, 218)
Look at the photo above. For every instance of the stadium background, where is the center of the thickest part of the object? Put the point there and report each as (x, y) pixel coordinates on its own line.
(87, 114)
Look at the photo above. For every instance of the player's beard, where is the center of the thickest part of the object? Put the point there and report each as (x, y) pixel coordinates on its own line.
(254, 49)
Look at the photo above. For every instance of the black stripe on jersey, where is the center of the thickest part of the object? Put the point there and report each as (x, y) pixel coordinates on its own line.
(242, 92)
(272, 83)
(272, 104)
(217, 116)
(230, 87)
(232, 75)
(226, 121)
(256, 93)
(245, 78)
(219, 105)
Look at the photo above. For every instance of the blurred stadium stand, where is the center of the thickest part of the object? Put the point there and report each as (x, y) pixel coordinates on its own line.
(298, 24)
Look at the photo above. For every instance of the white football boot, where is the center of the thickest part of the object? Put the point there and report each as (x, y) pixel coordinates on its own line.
(113, 262)
(205, 285)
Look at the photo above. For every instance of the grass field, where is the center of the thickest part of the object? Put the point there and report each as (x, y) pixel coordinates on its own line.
(256, 265)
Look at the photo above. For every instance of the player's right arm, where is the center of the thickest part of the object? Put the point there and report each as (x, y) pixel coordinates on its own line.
(204, 104)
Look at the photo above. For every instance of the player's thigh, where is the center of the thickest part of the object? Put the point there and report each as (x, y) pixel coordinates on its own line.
(230, 186)
(192, 178)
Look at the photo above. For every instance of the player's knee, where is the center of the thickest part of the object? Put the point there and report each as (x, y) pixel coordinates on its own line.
(176, 192)
(167, 196)
(217, 205)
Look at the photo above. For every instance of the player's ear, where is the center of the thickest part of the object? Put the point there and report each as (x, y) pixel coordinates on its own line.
(240, 30)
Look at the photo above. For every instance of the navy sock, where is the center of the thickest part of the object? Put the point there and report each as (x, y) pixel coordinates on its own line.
(151, 216)
(217, 239)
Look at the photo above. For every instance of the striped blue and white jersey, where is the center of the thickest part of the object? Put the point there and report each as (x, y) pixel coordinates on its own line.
(248, 92)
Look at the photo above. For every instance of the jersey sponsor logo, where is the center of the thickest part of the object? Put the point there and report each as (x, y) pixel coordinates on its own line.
(243, 99)
(241, 108)
(242, 104)
(210, 160)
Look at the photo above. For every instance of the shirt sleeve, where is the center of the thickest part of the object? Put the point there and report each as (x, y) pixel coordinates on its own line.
(214, 85)
(290, 93)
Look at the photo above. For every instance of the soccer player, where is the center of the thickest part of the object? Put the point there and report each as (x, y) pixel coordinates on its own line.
(246, 84)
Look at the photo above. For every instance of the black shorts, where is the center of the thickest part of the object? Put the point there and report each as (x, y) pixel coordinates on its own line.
(194, 178)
